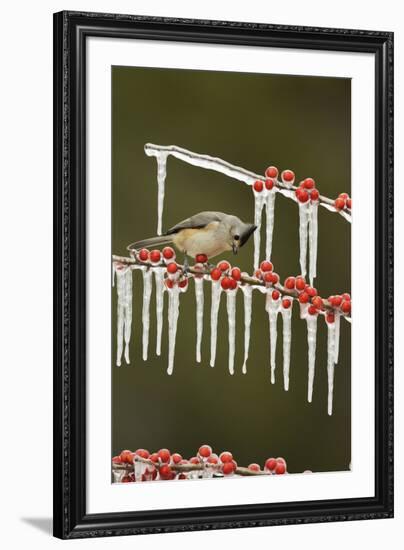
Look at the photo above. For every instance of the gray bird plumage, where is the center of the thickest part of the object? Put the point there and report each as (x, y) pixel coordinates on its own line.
(209, 233)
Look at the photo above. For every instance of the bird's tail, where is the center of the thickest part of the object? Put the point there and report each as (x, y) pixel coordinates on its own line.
(153, 241)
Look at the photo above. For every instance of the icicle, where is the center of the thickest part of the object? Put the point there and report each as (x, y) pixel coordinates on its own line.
(159, 278)
(199, 298)
(147, 289)
(303, 223)
(128, 312)
(331, 338)
(120, 284)
(313, 240)
(173, 312)
(337, 323)
(247, 292)
(272, 308)
(231, 316)
(311, 321)
(161, 179)
(214, 312)
(270, 213)
(287, 339)
(259, 202)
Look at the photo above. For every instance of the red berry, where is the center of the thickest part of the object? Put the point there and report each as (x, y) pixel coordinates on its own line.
(142, 453)
(339, 203)
(169, 283)
(226, 456)
(268, 277)
(236, 273)
(215, 273)
(116, 460)
(126, 456)
(317, 302)
(311, 291)
(330, 317)
(280, 468)
(225, 283)
(144, 255)
(288, 176)
(164, 455)
(335, 301)
(269, 184)
(309, 183)
(290, 283)
(275, 278)
(194, 460)
(182, 476)
(155, 256)
(213, 459)
(254, 467)
(266, 266)
(312, 310)
(176, 458)
(275, 295)
(224, 266)
(183, 283)
(165, 471)
(258, 274)
(270, 464)
(154, 457)
(346, 296)
(168, 253)
(300, 283)
(346, 307)
(314, 195)
(232, 284)
(172, 267)
(349, 203)
(201, 258)
(228, 468)
(258, 186)
(304, 298)
(205, 451)
(302, 195)
(286, 303)
(271, 172)
(344, 196)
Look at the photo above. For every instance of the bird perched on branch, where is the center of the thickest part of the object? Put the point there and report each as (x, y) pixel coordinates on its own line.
(209, 233)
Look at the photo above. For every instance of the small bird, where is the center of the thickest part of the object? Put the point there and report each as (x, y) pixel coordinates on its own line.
(209, 233)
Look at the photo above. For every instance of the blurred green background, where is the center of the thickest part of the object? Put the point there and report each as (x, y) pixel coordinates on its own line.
(251, 120)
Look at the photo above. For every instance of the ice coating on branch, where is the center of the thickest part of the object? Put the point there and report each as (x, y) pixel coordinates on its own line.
(159, 279)
(331, 208)
(270, 213)
(259, 203)
(247, 293)
(313, 241)
(199, 299)
(173, 313)
(161, 158)
(311, 321)
(231, 317)
(147, 290)
(304, 215)
(287, 339)
(331, 339)
(124, 312)
(272, 307)
(214, 312)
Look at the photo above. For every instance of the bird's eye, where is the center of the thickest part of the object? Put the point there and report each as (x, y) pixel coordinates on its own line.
(236, 237)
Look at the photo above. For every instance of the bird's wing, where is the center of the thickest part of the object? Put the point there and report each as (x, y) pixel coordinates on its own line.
(197, 221)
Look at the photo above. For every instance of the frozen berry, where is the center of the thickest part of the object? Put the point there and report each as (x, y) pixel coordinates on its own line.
(330, 317)
(266, 266)
(176, 458)
(346, 296)
(194, 460)
(300, 283)
(304, 298)
(274, 278)
(169, 283)
(154, 457)
(339, 203)
(164, 455)
(172, 267)
(165, 471)
(258, 186)
(270, 464)
(215, 273)
(258, 274)
(302, 195)
(213, 459)
(349, 203)
(280, 468)
(286, 303)
(290, 283)
(314, 195)
(346, 307)
(236, 273)
(344, 196)
(229, 468)
(269, 184)
(226, 456)
(254, 467)
(309, 183)
(271, 172)
(183, 283)
(144, 255)
(201, 258)
(155, 256)
(116, 460)
(224, 266)
(168, 253)
(232, 284)
(225, 283)
(126, 456)
(205, 451)
(312, 310)
(143, 453)
(317, 302)
(288, 176)
(275, 295)
(311, 291)
(335, 301)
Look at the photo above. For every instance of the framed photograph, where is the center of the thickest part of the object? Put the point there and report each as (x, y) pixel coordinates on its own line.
(223, 313)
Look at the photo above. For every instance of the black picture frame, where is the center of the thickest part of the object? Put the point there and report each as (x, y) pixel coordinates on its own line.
(70, 32)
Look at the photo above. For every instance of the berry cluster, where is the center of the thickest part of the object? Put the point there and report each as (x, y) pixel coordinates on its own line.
(142, 465)
(307, 191)
(343, 201)
(271, 179)
(229, 277)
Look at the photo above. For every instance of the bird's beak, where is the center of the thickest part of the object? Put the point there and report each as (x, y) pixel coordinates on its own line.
(235, 248)
(247, 234)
